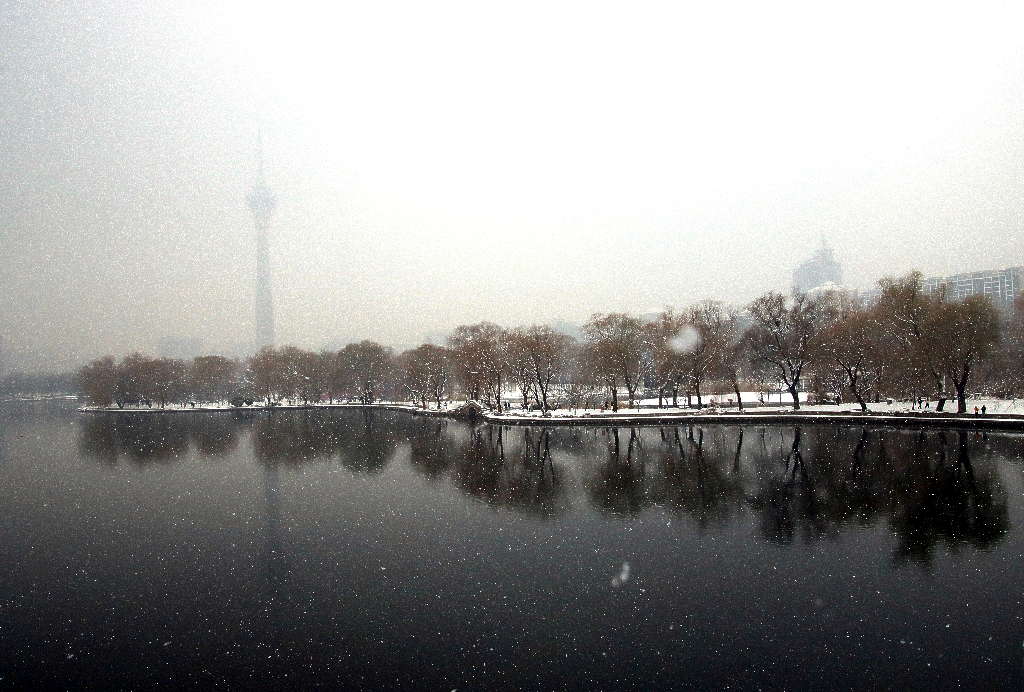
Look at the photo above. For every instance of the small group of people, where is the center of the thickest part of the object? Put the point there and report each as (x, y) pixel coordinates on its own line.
(923, 403)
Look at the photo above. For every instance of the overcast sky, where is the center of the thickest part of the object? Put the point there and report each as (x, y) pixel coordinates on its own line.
(438, 163)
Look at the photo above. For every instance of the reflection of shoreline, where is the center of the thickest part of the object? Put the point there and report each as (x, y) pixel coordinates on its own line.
(795, 483)
(145, 439)
(754, 417)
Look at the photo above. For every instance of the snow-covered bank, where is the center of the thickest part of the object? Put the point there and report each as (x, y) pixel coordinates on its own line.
(40, 397)
(224, 407)
(1001, 414)
(808, 415)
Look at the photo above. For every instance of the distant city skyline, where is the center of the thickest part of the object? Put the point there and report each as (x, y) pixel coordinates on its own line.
(1000, 284)
(431, 170)
(823, 271)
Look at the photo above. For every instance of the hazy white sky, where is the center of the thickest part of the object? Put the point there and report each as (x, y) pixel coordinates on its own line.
(438, 163)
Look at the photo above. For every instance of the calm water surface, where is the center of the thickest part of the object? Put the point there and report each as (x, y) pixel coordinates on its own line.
(379, 550)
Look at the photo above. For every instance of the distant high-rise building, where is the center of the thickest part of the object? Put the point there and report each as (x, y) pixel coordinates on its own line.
(820, 270)
(262, 204)
(1000, 285)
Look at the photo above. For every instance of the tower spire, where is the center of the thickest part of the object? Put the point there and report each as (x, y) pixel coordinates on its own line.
(259, 155)
(262, 204)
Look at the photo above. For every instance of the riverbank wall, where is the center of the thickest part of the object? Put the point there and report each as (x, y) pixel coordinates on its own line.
(905, 419)
(909, 420)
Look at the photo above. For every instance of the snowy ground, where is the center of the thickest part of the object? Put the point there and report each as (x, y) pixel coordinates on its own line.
(1001, 409)
(999, 413)
(754, 398)
(648, 407)
(226, 406)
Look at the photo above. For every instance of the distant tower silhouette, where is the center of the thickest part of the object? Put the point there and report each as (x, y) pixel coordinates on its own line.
(819, 271)
(262, 203)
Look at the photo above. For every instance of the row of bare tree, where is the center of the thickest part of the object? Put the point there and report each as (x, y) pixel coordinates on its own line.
(907, 344)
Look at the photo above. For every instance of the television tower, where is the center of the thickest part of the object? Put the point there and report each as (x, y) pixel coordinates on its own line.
(262, 203)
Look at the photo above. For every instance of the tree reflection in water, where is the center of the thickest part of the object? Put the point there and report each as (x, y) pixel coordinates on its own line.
(363, 441)
(141, 438)
(294, 438)
(797, 484)
(511, 469)
(214, 435)
(431, 446)
(942, 499)
(619, 486)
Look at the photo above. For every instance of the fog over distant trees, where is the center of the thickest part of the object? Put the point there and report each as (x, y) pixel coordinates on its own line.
(571, 178)
(907, 344)
(19, 384)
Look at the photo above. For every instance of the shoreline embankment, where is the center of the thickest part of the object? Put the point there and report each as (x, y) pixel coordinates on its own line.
(654, 417)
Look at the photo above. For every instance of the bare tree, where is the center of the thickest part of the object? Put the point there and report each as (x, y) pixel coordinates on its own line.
(961, 336)
(212, 378)
(618, 348)
(265, 374)
(308, 376)
(322, 374)
(910, 341)
(782, 336)
(848, 346)
(516, 358)
(704, 342)
(547, 352)
(601, 369)
(664, 337)
(426, 372)
(1010, 372)
(293, 372)
(929, 335)
(731, 353)
(339, 377)
(97, 381)
(479, 365)
(164, 380)
(904, 321)
(580, 384)
(132, 377)
(367, 366)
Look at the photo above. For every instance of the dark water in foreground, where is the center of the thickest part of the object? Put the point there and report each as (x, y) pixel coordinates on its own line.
(378, 550)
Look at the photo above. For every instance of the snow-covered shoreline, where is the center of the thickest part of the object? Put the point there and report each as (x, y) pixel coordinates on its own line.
(228, 408)
(999, 417)
(910, 420)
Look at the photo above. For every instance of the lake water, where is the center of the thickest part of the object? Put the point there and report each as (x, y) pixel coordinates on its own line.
(381, 550)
